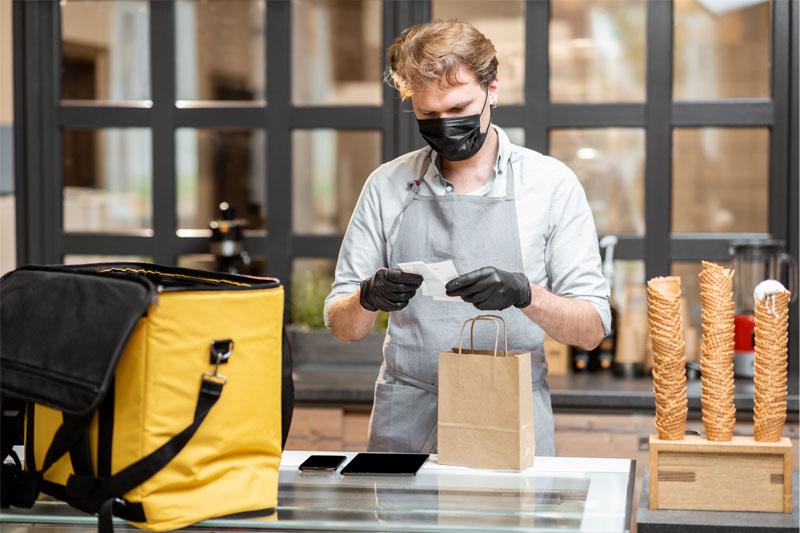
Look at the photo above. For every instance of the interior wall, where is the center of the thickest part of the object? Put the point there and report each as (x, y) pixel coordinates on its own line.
(8, 255)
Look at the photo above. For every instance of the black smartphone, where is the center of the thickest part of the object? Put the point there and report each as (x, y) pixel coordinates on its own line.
(318, 463)
(385, 464)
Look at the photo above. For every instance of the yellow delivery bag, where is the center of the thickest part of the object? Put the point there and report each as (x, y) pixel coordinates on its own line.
(157, 394)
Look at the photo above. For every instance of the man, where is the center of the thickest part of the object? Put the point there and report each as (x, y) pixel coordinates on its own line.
(515, 223)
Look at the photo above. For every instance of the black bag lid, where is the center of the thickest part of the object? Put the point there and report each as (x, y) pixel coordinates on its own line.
(62, 332)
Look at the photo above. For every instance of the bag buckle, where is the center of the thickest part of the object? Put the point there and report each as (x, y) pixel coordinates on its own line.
(221, 351)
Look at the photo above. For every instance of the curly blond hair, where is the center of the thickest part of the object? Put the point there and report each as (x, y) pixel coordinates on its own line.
(433, 52)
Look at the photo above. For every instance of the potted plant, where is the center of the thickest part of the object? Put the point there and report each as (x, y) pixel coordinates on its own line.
(311, 341)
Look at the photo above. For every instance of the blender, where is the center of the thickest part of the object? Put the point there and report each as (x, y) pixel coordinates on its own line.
(755, 261)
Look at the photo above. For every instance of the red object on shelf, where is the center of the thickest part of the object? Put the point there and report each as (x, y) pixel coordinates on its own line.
(743, 328)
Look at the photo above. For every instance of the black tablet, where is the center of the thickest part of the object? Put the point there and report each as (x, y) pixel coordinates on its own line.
(385, 464)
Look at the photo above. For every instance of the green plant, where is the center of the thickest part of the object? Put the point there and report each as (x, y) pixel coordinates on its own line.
(309, 291)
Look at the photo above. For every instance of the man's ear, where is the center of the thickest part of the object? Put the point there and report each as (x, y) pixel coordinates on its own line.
(494, 90)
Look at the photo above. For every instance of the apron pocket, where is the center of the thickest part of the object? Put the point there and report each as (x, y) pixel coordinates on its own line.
(403, 418)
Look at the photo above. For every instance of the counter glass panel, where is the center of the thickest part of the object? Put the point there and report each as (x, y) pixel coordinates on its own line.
(564, 493)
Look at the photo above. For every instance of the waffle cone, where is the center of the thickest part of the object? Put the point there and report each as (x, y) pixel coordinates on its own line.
(716, 362)
(669, 360)
(769, 395)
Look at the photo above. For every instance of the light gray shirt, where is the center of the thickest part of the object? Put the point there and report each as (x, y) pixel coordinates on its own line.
(558, 237)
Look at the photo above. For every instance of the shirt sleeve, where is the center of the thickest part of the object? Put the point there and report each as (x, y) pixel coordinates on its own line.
(572, 254)
(363, 249)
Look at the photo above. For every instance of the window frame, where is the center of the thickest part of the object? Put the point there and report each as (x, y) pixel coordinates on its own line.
(40, 116)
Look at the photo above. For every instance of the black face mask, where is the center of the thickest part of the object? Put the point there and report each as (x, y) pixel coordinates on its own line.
(455, 138)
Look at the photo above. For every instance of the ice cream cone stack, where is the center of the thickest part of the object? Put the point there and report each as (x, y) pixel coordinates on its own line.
(669, 361)
(769, 410)
(716, 363)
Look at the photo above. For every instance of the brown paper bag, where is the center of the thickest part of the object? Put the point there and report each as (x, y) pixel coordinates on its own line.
(485, 405)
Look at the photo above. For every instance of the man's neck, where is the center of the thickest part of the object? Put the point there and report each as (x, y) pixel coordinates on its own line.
(472, 174)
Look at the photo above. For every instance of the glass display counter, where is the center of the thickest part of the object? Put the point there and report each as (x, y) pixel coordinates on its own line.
(557, 493)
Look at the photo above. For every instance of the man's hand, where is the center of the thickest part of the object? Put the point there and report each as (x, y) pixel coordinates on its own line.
(490, 288)
(388, 290)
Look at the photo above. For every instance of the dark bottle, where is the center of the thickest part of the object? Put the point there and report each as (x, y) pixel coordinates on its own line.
(226, 242)
(581, 361)
(607, 348)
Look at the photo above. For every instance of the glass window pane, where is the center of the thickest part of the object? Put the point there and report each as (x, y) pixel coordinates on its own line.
(220, 165)
(722, 49)
(329, 168)
(597, 50)
(79, 259)
(219, 50)
(108, 177)
(8, 233)
(311, 284)
(720, 180)
(105, 50)
(689, 272)
(502, 22)
(516, 135)
(609, 163)
(337, 52)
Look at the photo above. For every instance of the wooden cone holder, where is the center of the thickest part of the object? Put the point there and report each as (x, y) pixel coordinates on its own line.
(739, 475)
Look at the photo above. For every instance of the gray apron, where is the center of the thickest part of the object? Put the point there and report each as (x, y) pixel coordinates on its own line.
(473, 231)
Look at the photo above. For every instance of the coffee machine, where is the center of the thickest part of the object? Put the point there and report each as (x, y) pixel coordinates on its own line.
(755, 261)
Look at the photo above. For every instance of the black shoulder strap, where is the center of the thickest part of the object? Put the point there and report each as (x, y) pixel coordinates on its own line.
(287, 389)
(96, 492)
(12, 424)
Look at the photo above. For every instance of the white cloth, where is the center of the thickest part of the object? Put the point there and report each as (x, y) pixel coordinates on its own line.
(558, 237)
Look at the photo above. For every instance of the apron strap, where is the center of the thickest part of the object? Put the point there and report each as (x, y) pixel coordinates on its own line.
(414, 382)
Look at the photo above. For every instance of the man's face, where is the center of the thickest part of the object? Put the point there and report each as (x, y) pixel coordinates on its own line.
(464, 99)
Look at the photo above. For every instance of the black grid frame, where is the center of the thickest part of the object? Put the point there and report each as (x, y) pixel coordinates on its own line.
(40, 116)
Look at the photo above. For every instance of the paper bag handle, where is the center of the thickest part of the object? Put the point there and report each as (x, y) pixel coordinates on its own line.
(488, 318)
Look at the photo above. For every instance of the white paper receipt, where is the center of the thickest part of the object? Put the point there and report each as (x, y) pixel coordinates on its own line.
(435, 277)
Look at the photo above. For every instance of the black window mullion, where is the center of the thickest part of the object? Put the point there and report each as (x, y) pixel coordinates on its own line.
(162, 79)
(390, 98)
(778, 161)
(279, 145)
(606, 115)
(33, 54)
(25, 190)
(215, 116)
(406, 14)
(724, 113)
(338, 117)
(90, 116)
(537, 75)
(658, 157)
(793, 239)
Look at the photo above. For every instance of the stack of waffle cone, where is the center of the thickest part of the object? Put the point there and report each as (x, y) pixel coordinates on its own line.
(716, 364)
(669, 361)
(769, 411)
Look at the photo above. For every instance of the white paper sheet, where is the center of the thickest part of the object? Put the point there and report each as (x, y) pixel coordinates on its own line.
(435, 277)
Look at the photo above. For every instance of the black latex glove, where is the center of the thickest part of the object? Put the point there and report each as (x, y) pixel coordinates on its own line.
(389, 290)
(490, 288)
